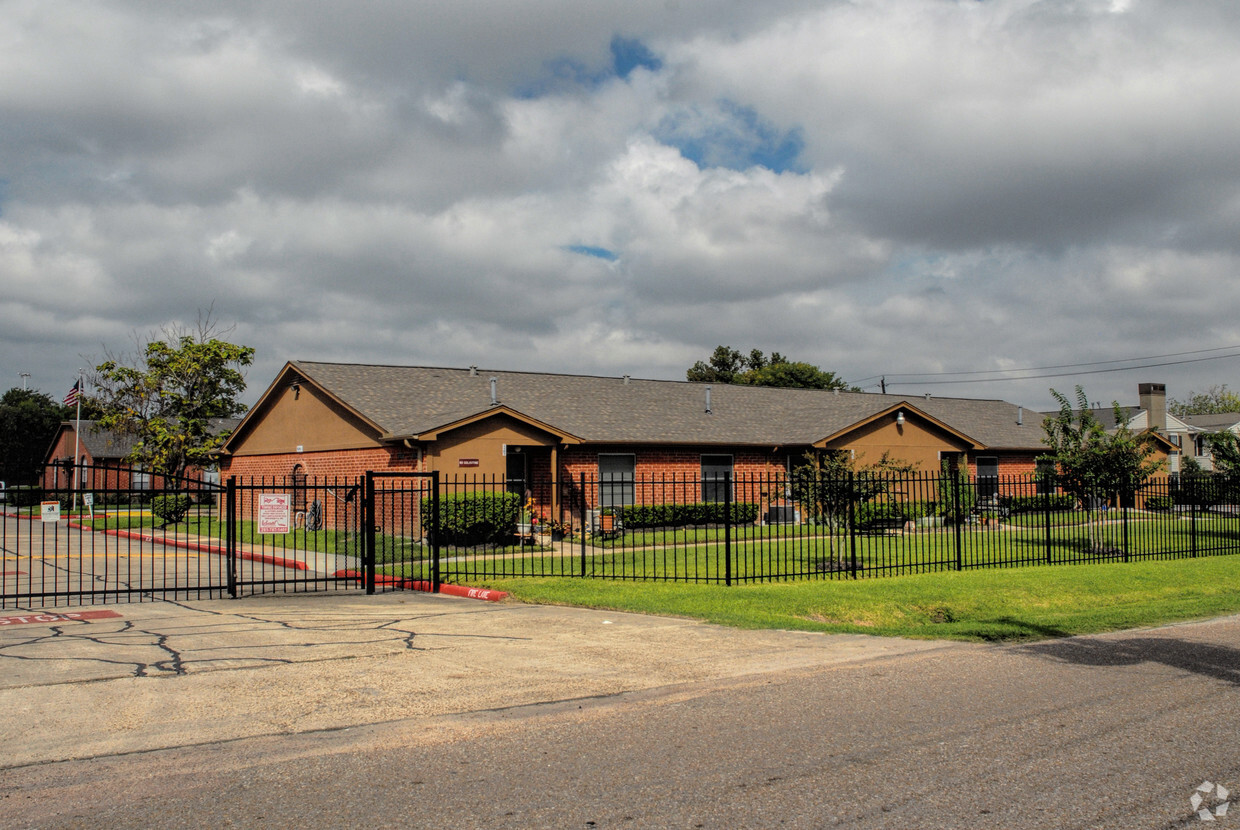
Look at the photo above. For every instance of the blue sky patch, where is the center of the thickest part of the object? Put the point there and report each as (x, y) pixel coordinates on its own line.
(563, 73)
(591, 250)
(734, 137)
(629, 54)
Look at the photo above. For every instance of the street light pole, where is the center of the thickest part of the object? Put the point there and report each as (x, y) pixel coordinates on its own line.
(25, 379)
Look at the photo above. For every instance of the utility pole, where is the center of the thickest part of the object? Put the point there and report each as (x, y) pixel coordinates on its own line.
(883, 382)
(25, 381)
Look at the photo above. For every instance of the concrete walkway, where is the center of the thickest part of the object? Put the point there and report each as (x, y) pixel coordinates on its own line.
(165, 674)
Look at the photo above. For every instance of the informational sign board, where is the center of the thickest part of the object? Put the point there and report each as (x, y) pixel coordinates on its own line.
(51, 511)
(273, 513)
(467, 462)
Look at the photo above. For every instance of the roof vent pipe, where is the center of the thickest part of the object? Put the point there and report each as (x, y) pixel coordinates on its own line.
(494, 392)
(1020, 416)
(473, 371)
(927, 396)
(626, 380)
(708, 410)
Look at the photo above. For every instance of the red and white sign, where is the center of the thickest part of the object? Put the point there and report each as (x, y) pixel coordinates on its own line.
(273, 513)
(467, 462)
(50, 510)
(70, 616)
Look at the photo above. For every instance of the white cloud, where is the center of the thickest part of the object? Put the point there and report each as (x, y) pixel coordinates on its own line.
(1001, 184)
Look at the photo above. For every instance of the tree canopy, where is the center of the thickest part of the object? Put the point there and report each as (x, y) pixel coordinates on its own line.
(168, 395)
(1090, 461)
(728, 365)
(1213, 401)
(28, 422)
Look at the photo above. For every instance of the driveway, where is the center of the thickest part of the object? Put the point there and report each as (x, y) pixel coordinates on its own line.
(421, 711)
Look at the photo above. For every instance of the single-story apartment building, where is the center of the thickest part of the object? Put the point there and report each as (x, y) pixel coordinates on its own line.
(101, 459)
(337, 419)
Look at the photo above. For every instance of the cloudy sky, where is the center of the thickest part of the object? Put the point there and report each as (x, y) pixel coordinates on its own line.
(881, 187)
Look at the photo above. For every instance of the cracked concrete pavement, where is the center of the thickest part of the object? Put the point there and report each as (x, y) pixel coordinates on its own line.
(174, 674)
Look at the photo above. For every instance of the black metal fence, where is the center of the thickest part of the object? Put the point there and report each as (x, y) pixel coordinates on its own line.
(388, 531)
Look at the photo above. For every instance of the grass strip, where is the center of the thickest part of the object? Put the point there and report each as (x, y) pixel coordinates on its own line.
(1009, 605)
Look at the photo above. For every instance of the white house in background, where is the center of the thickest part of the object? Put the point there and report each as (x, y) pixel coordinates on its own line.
(1188, 432)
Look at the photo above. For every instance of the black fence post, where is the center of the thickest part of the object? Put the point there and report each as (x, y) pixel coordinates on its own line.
(852, 525)
(230, 535)
(436, 576)
(584, 514)
(959, 520)
(1124, 518)
(368, 514)
(727, 528)
(1194, 495)
(1047, 488)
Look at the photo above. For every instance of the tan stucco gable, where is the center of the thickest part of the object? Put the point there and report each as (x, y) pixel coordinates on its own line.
(919, 439)
(295, 413)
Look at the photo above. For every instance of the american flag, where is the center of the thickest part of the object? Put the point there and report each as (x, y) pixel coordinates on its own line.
(76, 392)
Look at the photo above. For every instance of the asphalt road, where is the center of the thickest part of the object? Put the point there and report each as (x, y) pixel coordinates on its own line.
(514, 716)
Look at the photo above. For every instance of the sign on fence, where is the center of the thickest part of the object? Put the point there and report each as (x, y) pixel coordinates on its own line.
(51, 511)
(273, 513)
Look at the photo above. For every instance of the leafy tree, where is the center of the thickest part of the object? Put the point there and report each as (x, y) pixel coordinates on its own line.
(28, 422)
(1213, 401)
(829, 483)
(728, 365)
(1091, 463)
(1225, 449)
(167, 396)
(795, 375)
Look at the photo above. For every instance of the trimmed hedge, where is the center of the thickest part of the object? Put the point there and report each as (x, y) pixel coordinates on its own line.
(680, 515)
(1033, 504)
(476, 518)
(24, 495)
(1158, 503)
(171, 509)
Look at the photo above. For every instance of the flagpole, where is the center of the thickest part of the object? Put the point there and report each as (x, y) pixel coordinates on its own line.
(77, 439)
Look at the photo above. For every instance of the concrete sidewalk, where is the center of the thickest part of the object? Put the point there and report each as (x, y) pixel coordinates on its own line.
(164, 674)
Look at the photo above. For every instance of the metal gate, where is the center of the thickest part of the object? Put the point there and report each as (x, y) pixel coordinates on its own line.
(401, 513)
(91, 535)
(107, 535)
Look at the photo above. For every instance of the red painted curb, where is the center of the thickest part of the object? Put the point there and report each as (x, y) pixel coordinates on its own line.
(283, 562)
(425, 585)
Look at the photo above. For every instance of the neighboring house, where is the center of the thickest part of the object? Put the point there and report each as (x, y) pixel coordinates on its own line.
(101, 459)
(1201, 426)
(1186, 433)
(332, 419)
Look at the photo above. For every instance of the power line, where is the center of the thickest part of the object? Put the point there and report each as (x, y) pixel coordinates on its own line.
(1081, 367)
(1065, 374)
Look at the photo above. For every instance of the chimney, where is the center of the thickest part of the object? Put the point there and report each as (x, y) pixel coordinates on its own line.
(1020, 416)
(494, 392)
(708, 411)
(473, 371)
(1153, 399)
(626, 380)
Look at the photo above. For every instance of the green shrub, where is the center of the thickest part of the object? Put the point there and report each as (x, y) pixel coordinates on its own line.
(1057, 502)
(171, 509)
(1158, 503)
(475, 518)
(681, 515)
(872, 513)
(25, 495)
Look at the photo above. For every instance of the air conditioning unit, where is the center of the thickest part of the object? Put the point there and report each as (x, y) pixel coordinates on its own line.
(783, 514)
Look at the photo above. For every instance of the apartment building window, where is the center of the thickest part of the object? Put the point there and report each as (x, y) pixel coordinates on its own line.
(617, 475)
(716, 472)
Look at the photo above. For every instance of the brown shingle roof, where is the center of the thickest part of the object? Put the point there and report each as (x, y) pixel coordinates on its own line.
(410, 400)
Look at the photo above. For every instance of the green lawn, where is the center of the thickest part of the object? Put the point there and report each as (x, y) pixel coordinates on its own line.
(990, 605)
